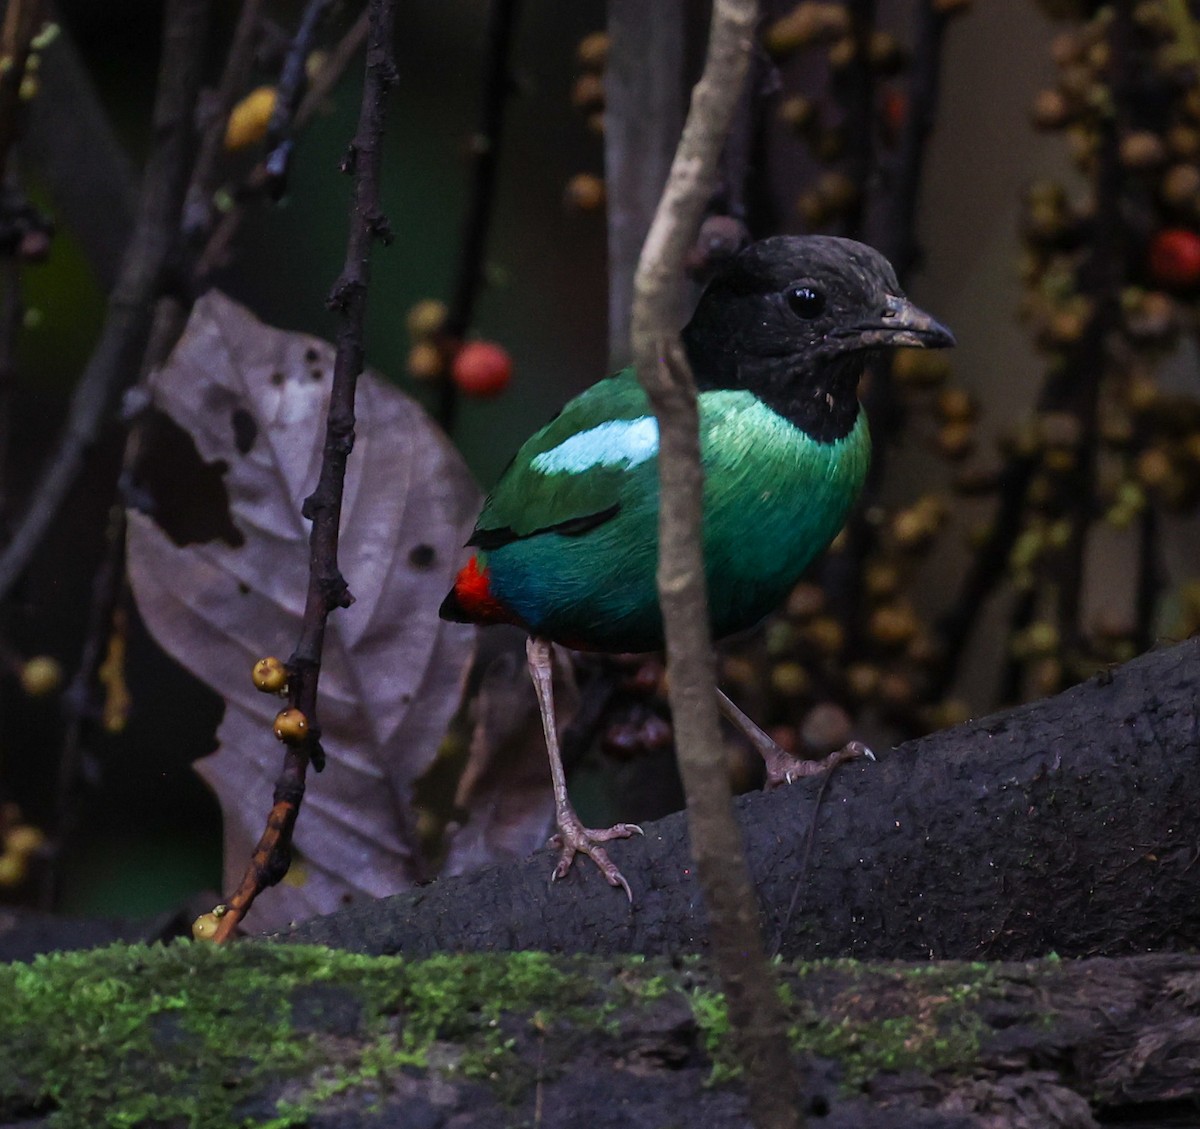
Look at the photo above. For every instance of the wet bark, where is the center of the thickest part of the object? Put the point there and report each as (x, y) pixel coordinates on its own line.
(1064, 826)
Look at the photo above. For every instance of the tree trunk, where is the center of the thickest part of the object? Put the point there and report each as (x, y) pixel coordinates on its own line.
(1064, 826)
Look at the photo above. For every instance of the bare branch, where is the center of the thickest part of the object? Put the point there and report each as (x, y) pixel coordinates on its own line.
(485, 160)
(327, 588)
(117, 358)
(754, 1007)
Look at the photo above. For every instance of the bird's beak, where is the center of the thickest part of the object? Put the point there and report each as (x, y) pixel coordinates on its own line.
(898, 323)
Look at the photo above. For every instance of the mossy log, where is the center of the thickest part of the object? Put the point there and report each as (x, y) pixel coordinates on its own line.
(256, 1035)
(1064, 826)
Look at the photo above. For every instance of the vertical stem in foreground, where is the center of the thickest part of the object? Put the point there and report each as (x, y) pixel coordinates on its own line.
(754, 1007)
(327, 588)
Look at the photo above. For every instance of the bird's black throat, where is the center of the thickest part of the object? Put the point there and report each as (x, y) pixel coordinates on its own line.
(819, 396)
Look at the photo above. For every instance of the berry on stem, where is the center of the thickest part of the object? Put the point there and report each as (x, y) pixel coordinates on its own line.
(482, 368)
(270, 675)
(1174, 258)
(291, 726)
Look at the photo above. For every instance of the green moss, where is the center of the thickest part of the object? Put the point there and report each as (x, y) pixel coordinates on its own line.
(262, 1035)
(189, 1033)
(917, 1017)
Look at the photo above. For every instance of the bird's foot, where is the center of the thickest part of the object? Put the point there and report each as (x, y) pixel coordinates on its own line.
(784, 768)
(573, 838)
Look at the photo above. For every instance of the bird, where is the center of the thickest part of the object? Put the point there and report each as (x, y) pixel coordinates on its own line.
(566, 544)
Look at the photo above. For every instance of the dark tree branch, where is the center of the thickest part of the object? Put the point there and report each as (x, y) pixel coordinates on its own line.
(897, 234)
(950, 847)
(754, 1008)
(281, 129)
(219, 241)
(117, 359)
(327, 588)
(485, 162)
(239, 64)
(1100, 279)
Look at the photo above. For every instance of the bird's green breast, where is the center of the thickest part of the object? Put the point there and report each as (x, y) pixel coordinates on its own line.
(773, 499)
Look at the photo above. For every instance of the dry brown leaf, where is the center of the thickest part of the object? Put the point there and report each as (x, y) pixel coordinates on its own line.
(254, 399)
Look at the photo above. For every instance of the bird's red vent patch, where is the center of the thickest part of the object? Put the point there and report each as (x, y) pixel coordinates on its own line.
(474, 595)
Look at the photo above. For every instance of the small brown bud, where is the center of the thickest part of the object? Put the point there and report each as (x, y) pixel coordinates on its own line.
(592, 50)
(588, 92)
(825, 727)
(1142, 150)
(825, 634)
(806, 600)
(1181, 185)
(1050, 110)
(862, 679)
(893, 625)
(584, 192)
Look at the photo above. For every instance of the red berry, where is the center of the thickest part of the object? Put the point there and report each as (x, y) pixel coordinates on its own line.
(482, 368)
(1174, 258)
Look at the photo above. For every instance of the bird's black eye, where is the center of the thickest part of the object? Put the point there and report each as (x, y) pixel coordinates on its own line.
(806, 302)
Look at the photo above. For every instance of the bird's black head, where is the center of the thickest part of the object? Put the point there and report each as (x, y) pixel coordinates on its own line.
(793, 319)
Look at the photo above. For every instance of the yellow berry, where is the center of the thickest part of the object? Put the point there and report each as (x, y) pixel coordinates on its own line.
(13, 868)
(790, 680)
(204, 928)
(249, 119)
(425, 318)
(40, 676)
(291, 726)
(25, 839)
(425, 361)
(270, 675)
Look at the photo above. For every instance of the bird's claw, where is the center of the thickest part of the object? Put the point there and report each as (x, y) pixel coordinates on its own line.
(573, 838)
(783, 768)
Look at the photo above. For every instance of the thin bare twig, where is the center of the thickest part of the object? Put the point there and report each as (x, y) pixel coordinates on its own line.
(485, 160)
(754, 1008)
(281, 129)
(117, 358)
(198, 207)
(21, 20)
(327, 588)
(68, 130)
(217, 248)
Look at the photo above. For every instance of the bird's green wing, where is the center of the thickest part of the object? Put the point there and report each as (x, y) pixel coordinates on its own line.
(578, 470)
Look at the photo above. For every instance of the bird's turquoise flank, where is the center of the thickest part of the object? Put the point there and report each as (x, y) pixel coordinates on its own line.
(774, 497)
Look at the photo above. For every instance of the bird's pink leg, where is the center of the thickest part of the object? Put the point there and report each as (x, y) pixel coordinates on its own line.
(782, 766)
(572, 837)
